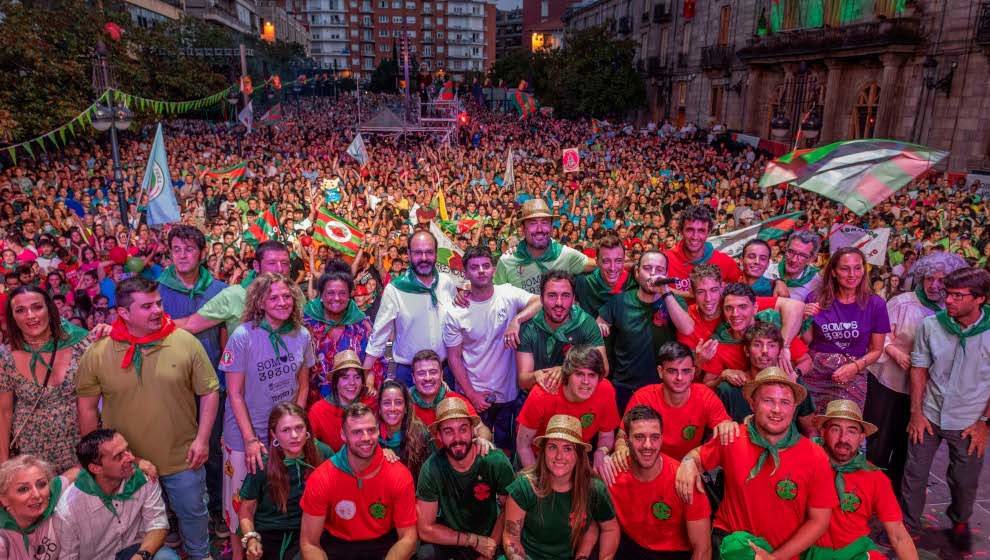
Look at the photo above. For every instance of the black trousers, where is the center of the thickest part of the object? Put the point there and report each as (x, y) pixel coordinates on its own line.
(376, 549)
(629, 550)
(891, 412)
(279, 545)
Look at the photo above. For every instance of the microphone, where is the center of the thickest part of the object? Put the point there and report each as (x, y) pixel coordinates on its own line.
(662, 280)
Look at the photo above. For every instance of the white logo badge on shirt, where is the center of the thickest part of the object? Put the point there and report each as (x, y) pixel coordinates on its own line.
(345, 509)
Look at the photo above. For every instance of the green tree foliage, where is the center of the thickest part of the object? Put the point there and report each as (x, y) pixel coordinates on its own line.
(385, 78)
(592, 75)
(46, 54)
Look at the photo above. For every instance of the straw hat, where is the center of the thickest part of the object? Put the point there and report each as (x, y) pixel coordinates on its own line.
(346, 360)
(777, 376)
(845, 410)
(565, 427)
(535, 208)
(452, 408)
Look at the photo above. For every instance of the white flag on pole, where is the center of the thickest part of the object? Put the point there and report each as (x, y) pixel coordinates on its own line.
(357, 150)
(510, 171)
(872, 242)
(246, 116)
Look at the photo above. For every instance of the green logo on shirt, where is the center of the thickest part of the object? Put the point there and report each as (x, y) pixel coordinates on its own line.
(689, 432)
(377, 510)
(661, 511)
(587, 419)
(850, 502)
(787, 489)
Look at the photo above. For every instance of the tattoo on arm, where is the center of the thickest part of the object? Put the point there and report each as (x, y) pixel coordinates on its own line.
(513, 548)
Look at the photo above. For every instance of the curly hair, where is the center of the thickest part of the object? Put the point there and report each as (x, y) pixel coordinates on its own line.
(254, 303)
(938, 261)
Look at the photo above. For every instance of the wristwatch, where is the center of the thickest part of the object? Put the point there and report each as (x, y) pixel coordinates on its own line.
(144, 554)
(248, 536)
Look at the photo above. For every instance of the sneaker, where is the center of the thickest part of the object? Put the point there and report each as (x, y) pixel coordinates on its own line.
(219, 527)
(961, 537)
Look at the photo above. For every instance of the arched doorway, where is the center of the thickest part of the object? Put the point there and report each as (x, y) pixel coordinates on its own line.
(864, 116)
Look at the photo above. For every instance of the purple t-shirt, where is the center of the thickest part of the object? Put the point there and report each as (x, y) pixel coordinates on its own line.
(846, 327)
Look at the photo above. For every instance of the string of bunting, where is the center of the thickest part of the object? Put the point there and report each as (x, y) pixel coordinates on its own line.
(57, 138)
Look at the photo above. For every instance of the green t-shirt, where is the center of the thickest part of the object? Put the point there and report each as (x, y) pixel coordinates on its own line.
(637, 333)
(546, 533)
(738, 407)
(582, 329)
(467, 501)
(592, 299)
(528, 277)
(268, 516)
(227, 306)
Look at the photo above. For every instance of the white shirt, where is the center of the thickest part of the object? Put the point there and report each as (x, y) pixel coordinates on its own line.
(87, 529)
(479, 330)
(413, 321)
(906, 314)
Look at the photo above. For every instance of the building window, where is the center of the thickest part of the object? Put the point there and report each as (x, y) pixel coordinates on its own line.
(439, 21)
(439, 34)
(383, 48)
(396, 19)
(427, 8)
(724, 23)
(382, 4)
(410, 5)
(682, 94)
(411, 20)
(396, 4)
(544, 9)
(717, 103)
(382, 19)
(353, 18)
(427, 50)
(366, 20)
(865, 113)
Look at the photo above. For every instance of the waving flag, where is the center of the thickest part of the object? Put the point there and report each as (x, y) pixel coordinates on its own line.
(337, 233)
(246, 116)
(162, 207)
(872, 242)
(448, 253)
(510, 171)
(234, 173)
(272, 115)
(264, 228)
(571, 159)
(358, 151)
(447, 92)
(857, 173)
(777, 227)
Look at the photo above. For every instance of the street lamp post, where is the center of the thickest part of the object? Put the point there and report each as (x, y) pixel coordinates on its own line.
(111, 117)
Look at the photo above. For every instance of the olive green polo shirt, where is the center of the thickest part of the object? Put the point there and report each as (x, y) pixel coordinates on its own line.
(157, 413)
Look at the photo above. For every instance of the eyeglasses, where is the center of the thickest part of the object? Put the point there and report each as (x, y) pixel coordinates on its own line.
(796, 255)
(957, 295)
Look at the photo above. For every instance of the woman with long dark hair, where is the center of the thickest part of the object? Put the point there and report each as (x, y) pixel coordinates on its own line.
(37, 380)
(849, 325)
(269, 514)
(402, 432)
(554, 504)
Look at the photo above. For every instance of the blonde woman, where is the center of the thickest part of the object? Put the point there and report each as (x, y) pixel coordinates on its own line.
(266, 361)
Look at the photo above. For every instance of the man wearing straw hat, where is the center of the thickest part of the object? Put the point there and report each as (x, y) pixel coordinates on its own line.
(779, 489)
(538, 252)
(863, 490)
(461, 492)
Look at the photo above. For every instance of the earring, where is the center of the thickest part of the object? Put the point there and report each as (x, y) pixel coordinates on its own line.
(275, 443)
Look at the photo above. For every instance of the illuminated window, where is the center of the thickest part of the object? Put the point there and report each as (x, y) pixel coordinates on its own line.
(865, 113)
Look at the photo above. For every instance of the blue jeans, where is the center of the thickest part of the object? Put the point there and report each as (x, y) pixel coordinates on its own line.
(164, 553)
(186, 493)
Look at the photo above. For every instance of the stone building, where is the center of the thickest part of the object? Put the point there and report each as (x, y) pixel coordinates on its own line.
(916, 70)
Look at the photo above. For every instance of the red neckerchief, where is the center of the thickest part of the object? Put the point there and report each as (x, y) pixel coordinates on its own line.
(120, 333)
(617, 287)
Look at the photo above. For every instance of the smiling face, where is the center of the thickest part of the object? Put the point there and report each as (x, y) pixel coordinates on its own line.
(423, 254)
(31, 315)
(645, 440)
(755, 260)
(291, 435)
(934, 285)
(708, 295)
(557, 297)
(280, 303)
(773, 408)
(739, 312)
(275, 261)
(843, 439)
(561, 457)
(26, 496)
(427, 376)
(335, 297)
(360, 434)
(611, 261)
(797, 256)
(849, 271)
(537, 232)
(694, 233)
(456, 436)
(349, 386)
(393, 406)
(116, 460)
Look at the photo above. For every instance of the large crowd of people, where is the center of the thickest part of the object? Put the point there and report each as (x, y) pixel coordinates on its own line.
(593, 379)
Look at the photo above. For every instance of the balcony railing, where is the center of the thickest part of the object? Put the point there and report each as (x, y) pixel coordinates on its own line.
(716, 57)
(874, 34)
(983, 25)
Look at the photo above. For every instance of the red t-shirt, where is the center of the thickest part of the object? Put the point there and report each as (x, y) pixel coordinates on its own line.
(774, 503)
(868, 493)
(704, 329)
(732, 356)
(383, 502)
(678, 266)
(683, 426)
(597, 414)
(429, 415)
(652, 514)
(327, 419)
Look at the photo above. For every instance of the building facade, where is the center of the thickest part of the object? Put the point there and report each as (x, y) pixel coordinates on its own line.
(913, 70)
(543, 25)
(508, 31)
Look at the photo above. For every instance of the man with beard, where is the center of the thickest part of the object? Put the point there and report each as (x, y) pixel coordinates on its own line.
(638, 324)
(696, 224)
(609, 279)
(461, 492)
(761, 344)
(145, 372)
(864, 490)
(655, 522)
(779, 492)
(411, 311)
(800, 277)
(538, 253)
(480, 339)
(357, 505)
(545, 339)
(949, 388)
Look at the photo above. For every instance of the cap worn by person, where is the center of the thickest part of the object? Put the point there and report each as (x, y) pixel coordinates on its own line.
(453, 408)
(564, 427)
(535, 208)
(346, 360)
(774, 376)
(842, 409)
